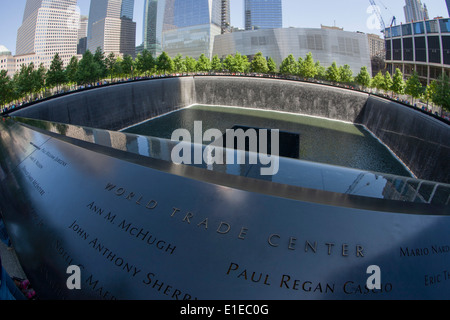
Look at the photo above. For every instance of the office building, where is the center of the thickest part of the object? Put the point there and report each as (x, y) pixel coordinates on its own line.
(111, 27)
(263, 14)
(185, 27)
(82, 35)
(326, 45)
(422, 46)
(415, 11)
(448, 6)
(190, 26)
(153, 26)
(7, 61)
(376, 45)
(48, 27)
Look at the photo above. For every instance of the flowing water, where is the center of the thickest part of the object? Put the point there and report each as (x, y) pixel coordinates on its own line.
(321, 140)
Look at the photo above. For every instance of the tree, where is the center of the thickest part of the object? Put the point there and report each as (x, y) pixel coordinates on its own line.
(299, 66)
(413, 87)
(56, 75)
(308, 67)
(259, 64)
(101, 70)
(24, 80)
(128, 65)
(164, 63)
(378, 81)
(145, 63)
(333, 73)
(118, 71)
(363, 78)
(398, 84)
(321, 71)
(6, 88)
(216, 65)
(71, 70)
(387, 83)
(87, 71)
(289, 66)
(241, 63)
(178, 63)
(271, 65)
(110, 62)
(191, 64)
(203, 63)
(441, 92)
(228, 63)
(345, 74)
(39, 79)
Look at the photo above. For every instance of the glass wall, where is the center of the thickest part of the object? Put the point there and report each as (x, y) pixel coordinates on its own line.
(445, 25)
(419, 28)
(263, 14)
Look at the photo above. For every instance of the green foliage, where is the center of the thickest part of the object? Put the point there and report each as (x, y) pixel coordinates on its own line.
(308, 67)
(321, 71)
(179, 64)
(259, 64)
(413, 86)
(128, 65)
(289, 66)
(145, 63)
(110, 62)
(241, 63)
(164, 63)
(24, 80)
(203, 63)
(378, 81)
(398, 84)
(6, 88)
(441, 92)
(333, 73)
(271, 65)
(101, 69)
(387, 83)
(237, 63)
(363, 78)
(56, 75)
(191, 64)
(216, 65)
(71, 70)
(88, 70)
(345, 74)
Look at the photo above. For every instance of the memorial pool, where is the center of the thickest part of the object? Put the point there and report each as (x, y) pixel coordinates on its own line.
(321, 140)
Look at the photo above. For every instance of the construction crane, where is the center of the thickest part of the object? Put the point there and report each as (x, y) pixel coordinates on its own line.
(380, 18)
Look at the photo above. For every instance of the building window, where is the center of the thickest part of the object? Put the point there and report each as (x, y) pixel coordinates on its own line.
(445, 25)
(418, 28)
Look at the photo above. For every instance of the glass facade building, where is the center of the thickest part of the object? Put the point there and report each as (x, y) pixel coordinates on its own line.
(326, 45)
(263, 14)
(111, 27)
(422, 46)
(185, 27)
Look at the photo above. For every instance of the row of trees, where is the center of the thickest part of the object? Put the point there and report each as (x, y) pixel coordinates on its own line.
(96, 67)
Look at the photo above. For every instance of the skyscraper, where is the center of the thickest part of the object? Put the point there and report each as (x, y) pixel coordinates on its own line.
(185, 27)
(48, 27)
(448, 6)
(263, 14)
(111, 27)
(153, 26)
(415, 11)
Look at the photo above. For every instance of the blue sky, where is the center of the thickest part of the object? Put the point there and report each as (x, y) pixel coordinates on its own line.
(352, 15)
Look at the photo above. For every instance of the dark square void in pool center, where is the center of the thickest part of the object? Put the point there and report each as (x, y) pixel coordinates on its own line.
(289, 142)
(322, 140)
